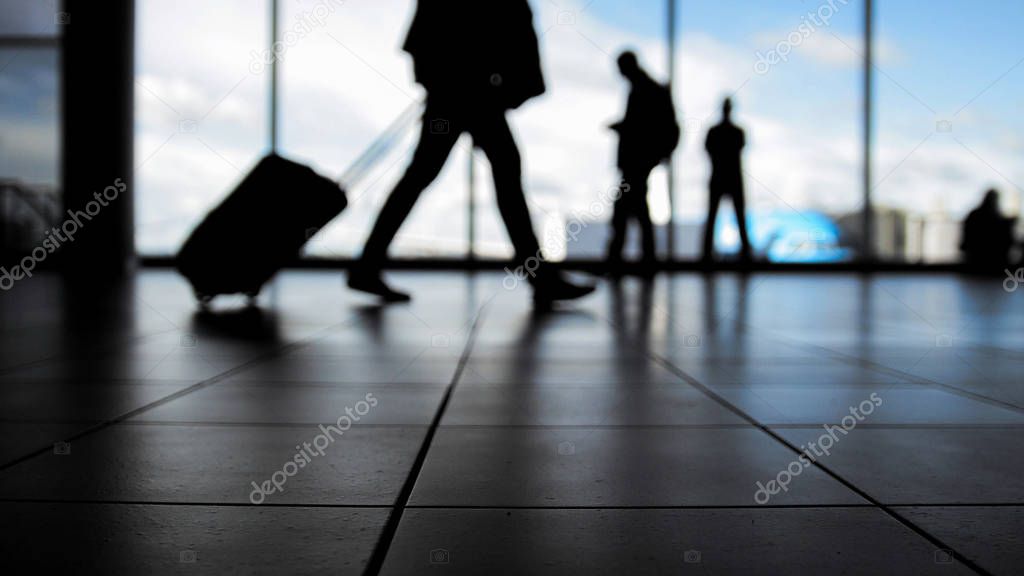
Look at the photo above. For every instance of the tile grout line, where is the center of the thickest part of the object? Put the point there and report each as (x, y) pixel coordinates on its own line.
(103, 424)
(107, 502)
(13, 369)
(376, 561)
(410, 425)
(934, 540)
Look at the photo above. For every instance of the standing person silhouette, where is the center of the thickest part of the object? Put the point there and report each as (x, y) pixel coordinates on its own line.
(648, 134)
(476, 61)
(725, 142)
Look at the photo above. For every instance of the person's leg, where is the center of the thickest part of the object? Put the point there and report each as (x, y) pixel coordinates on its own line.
(714, 198)
(429, 158)
(643, 215)
(427, 161)
(620, 218)
(739, 205)
(492, 134)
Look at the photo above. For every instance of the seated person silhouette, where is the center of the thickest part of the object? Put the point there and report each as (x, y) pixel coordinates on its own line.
(725, 142)
(476, 60)
(987, 236)
(648, 134)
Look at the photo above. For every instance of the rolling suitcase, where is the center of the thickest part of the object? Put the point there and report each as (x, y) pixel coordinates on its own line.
(265, 221)
(261, 226)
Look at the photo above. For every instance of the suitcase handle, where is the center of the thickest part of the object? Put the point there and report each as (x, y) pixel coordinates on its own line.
(380, 146)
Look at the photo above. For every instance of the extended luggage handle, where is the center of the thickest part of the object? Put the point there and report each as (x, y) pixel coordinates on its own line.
(381, 145)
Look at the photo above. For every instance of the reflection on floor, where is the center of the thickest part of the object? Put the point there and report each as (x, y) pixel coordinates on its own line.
(773, 424)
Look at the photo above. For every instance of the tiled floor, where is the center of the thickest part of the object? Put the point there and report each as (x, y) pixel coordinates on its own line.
(630, 433)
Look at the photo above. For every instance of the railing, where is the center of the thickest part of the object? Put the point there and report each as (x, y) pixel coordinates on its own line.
(26, 213)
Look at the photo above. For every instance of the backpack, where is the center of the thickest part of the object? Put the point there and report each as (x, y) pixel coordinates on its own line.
(665, 134)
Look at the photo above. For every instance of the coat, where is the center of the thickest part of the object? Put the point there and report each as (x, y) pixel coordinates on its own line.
(483, 53)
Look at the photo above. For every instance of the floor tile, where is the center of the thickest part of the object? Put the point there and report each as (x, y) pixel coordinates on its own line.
(575, 405)
(611, 467)
(927, 466)
(207, 464)
(862, 541)
(161, 539)
(991, 536)
(597, 371)
(349, 371)
(79, 400)
(290, 402)
(872, 405)
(23, 438)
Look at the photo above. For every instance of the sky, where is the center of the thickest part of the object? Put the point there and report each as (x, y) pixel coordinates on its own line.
(201, 110)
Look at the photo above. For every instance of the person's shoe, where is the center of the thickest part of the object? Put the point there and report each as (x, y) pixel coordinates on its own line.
(554, 288)
(372, 283)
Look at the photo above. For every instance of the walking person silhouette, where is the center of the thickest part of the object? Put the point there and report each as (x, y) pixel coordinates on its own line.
(474, 69)
(648, 134)
(725, 142)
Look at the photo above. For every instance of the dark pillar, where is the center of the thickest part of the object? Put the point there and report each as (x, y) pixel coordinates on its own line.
(97, 101)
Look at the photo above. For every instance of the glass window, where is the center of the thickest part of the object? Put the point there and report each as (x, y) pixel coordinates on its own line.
(949, 121)
(794, 72)
(30, 139)
(568, 149)
(29, 131)
(344, 82)
(201, 110)
(30, 18)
